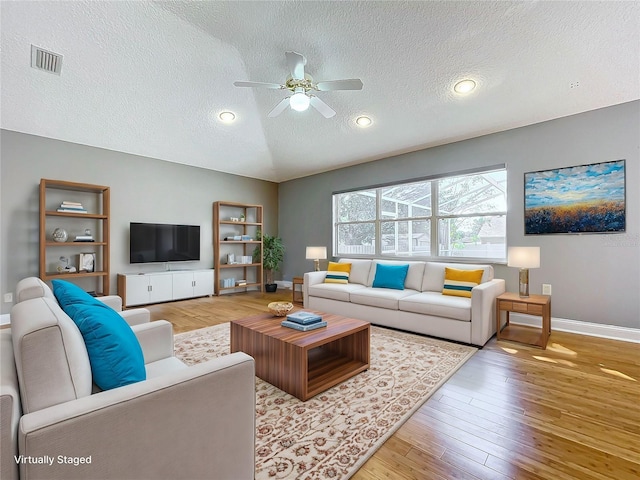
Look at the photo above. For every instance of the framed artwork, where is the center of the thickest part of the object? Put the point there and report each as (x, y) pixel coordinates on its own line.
(87, 262)
(579, 199)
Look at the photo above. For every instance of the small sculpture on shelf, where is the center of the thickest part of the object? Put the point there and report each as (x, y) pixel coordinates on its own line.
(60, 235)
(64, 267)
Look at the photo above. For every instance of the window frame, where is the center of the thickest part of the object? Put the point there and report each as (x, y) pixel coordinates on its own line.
(433, 220)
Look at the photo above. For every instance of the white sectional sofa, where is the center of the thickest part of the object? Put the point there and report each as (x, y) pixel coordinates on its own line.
(420, 307)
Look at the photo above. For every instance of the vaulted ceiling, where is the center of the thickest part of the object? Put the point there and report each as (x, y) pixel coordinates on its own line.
(150, 78)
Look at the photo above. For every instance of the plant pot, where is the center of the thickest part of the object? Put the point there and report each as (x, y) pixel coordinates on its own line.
(270, 287)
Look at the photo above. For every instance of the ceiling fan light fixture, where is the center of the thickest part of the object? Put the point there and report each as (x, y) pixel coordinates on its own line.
(464, 86)
(227, 117)
(363, 121)
(299, 101)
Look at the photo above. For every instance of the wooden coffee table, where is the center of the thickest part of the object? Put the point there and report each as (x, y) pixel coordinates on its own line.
(303, 364)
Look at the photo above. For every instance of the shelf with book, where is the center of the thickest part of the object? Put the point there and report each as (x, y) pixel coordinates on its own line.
(233, 219)
(71, 210)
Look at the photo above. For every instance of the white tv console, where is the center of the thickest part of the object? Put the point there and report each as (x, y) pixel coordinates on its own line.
(157, 287)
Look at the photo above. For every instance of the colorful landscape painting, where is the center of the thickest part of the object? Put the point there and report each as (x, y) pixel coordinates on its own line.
(580, 199)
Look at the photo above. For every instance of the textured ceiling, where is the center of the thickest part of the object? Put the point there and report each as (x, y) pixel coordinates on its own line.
(149, 78)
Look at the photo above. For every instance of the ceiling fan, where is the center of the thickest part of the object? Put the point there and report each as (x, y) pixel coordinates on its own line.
(300, 84)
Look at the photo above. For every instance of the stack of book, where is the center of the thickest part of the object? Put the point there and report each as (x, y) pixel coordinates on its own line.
(71, 207)
(84, 238)
(304, 321)
(228, 282)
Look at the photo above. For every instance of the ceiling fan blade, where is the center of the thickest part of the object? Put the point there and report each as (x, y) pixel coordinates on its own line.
(296, 63)
(322, 107)
(347, 84)
(257, 84)
(279, 108)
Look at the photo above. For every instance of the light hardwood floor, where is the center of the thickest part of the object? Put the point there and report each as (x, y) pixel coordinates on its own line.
(571, 411)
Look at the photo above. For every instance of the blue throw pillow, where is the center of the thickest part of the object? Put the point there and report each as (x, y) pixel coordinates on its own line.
(390, 276)
(114, 351)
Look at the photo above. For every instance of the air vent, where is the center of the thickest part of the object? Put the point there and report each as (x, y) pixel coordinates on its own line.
(44, 60)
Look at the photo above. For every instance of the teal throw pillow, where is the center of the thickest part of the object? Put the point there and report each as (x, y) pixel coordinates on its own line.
(390, 276)
(114, 351)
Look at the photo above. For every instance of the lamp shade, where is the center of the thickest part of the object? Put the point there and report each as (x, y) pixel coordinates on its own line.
(523, 257)
(316, 253)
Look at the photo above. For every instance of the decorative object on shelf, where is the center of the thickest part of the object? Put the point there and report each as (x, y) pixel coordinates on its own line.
(280, 309)
(272, 257)
(64, 267)
(579, 199)
(231, 258)
(242, 218)
(87, 237)
(316, 254)
(60, 235)
(228, 282)
(523, 258)
(87, 262)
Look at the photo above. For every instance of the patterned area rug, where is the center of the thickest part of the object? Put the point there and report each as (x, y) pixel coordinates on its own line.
(335, 432)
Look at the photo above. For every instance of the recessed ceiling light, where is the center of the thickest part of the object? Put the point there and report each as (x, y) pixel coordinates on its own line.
(464, 86)
(227, 117)
(363, 121)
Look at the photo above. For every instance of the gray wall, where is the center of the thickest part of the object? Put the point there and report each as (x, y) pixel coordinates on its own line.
(142, 189)
(595, 278)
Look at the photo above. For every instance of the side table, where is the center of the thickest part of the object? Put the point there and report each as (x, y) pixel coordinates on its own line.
(532, 305)
(297, 295)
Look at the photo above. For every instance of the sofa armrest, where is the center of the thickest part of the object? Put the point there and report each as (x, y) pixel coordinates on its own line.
(190, 423)
(114, 301)
(483, 301)
(10, 407)
(136, 316)
(311, 278)
(156, 340)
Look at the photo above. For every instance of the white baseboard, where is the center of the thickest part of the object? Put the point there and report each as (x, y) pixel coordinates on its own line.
(613, 332)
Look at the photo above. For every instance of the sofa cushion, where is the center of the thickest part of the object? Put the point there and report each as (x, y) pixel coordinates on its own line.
(459, 283)
(380, 297)
(334, 291)
(434, 274)
(338, 273)
(114, 351)
(390, 276)
(359, 270)
(434, 303)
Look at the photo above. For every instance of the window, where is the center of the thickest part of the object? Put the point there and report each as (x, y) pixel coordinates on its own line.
(457, 216)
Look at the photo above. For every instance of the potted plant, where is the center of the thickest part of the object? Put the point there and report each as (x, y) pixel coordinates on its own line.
(272, 257)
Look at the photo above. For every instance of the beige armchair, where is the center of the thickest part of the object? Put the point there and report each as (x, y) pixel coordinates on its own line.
(182, 422)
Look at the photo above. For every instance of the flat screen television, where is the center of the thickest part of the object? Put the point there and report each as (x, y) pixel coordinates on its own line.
(156, 242)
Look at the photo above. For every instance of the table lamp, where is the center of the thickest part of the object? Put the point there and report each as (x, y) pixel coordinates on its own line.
(523, 258)
(316, 254)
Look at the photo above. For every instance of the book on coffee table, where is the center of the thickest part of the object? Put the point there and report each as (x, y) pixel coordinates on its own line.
(303, 328)
(304, 318)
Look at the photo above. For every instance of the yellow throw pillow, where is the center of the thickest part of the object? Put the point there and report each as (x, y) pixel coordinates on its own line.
(338, 273)
(460, 282)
